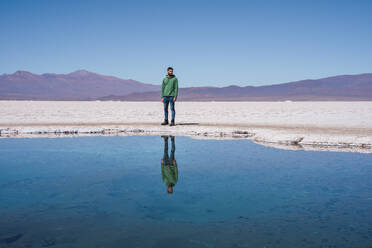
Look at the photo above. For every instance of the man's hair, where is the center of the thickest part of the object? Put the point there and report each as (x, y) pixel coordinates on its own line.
(170, 68)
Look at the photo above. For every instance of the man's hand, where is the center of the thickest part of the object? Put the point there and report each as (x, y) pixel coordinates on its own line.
(174, 99)
(162, 99)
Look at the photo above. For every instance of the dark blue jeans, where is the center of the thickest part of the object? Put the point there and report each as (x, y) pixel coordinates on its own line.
(166, 101)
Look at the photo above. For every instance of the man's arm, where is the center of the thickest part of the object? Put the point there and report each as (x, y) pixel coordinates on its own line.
(176, 89)
(162, 90)
(175, 171)
(162, 171)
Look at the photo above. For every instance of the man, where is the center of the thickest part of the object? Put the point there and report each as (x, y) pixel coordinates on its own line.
(169, 168)
(169, 93)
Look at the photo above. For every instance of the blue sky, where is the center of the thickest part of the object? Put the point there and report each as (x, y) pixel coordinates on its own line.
(207, 42)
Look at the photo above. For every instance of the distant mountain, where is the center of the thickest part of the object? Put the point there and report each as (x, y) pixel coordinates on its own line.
(85, 85)
(338, 88)
(78, 85)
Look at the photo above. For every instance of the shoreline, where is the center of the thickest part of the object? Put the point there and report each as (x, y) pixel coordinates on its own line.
(339, 126)
(282, 137)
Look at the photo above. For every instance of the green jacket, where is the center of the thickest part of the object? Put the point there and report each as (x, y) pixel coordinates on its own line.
(169, 173)
(169, 86)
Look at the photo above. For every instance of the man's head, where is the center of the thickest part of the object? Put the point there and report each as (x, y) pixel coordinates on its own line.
(170, 189)
(170, 71)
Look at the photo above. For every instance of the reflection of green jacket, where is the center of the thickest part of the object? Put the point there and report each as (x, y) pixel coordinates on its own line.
(169, 172)
(169, 86)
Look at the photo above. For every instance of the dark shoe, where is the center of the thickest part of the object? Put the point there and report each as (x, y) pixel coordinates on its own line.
(165, 122)
(172, 123)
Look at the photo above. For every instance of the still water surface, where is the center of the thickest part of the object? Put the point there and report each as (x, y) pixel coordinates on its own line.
(182, 192)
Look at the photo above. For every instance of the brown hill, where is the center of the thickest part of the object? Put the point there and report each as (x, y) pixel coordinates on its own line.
(84, 85)
(78, 85)
(338, 88)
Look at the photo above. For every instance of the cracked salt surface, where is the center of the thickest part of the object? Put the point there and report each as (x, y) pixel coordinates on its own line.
(337, 126)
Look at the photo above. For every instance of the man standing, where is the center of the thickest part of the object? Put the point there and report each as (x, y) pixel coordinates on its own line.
(169, 93)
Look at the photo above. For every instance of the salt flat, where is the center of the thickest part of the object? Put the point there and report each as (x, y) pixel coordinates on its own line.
(343, 126)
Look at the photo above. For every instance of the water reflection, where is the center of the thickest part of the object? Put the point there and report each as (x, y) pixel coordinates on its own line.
(169, 168)
(107, 192)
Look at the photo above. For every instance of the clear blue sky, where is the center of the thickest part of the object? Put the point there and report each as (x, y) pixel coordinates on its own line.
(207, 42)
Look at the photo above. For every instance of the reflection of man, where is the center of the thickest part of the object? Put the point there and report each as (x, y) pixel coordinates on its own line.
(169, 169)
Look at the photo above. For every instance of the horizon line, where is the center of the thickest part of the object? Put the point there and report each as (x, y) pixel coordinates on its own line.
(212, 86)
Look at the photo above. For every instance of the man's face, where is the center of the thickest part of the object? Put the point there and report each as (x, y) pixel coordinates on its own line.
(170, 190)
(170, 72)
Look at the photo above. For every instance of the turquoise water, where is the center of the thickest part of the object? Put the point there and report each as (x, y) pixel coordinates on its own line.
(109, 192)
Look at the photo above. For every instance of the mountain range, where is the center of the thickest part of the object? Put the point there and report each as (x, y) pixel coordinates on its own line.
(85, 85)
(78, 85)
